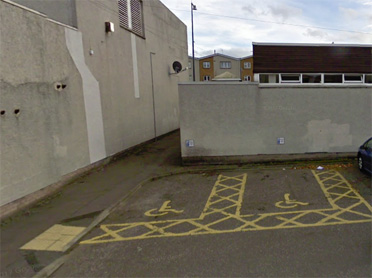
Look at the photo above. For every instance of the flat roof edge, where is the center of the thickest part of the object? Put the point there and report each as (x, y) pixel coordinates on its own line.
(310, 44)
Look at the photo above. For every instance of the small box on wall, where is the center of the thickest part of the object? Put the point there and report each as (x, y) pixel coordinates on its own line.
(109, 26)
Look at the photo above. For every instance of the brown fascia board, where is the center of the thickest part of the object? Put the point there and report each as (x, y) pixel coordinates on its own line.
(311, 44)
(312, 58)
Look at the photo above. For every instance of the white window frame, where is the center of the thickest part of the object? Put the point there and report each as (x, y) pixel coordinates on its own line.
(206, 65)
(299, 80)
(247, 78)
(342, 78)
(312, 74)
(225, 65)
(247, 65)
(206, 78)
(365, 77)
(353, 81)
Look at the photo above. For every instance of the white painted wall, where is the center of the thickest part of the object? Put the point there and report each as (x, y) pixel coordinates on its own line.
(107, 104)
(232, 119)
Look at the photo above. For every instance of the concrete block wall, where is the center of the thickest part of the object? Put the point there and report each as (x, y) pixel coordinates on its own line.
(63, 109)
(48, 137)
(241, 119)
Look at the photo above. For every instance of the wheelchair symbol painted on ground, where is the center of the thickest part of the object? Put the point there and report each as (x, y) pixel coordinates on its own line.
(222, 213)
(164, 209)
(288, 203)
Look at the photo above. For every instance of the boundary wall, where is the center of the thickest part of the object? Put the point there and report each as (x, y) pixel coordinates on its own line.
(233, 122)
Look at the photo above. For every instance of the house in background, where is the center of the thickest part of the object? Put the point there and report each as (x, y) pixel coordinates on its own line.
(312, 63)
(213, 65)
(221, 67)
(311, 100)
(82, 81)
(246, 65)
(226, 76)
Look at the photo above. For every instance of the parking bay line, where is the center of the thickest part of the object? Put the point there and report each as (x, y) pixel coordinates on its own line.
(328, 181)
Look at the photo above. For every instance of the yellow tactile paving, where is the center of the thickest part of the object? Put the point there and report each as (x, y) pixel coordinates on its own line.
(222, 213)
(54, 239)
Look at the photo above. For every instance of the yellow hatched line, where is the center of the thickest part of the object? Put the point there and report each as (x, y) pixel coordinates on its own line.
(292, 220)
(324, 189)
(241, 193)
(225, 178)
(336, 185)
(225, 187)
(214, 210)
(348, 186)
(225, 198)
(220, 179)
(344, 195)
(341, 211)
(253, 223)
(156, 229)
(332, 216)
(290, 212)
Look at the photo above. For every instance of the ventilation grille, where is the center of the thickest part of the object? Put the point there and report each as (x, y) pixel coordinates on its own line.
(136, 26)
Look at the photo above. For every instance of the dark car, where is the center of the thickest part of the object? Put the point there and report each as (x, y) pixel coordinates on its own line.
(365, 156)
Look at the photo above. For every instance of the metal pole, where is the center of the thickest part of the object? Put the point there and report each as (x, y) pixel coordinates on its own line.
(153, 94)
(192, 31)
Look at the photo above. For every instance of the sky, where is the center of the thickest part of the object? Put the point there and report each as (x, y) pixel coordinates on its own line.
(230, 27)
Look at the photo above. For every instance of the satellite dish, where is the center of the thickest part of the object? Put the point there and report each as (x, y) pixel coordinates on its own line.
(177, 67)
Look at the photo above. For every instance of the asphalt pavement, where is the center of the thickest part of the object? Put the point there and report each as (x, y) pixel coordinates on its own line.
(145, 215)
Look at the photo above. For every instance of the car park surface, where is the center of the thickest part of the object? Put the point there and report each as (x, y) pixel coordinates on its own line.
(249, 222)
(151, 176)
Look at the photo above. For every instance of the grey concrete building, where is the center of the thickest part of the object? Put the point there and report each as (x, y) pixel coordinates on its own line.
(81, 85)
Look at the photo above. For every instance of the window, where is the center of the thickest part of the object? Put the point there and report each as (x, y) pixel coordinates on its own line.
(206, 65)
(247, 78)
(190, 65)
(290, 78)
(311, 78)
(316, 78)
(368, 78)
(225, 65)
(353, 78)
(269, 78)
(206, 78)
(368, 145)
(333, 78)
(131, 16)
(247, 65)
(264, 78)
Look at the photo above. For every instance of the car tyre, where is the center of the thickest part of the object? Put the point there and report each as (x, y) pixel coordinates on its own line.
(360, 163)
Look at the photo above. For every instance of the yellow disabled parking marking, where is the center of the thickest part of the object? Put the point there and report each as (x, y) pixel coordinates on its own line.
(164, 209)
(288, 203)
(223, 206)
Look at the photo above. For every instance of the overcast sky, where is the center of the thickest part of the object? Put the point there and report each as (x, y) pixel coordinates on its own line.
(230, 27)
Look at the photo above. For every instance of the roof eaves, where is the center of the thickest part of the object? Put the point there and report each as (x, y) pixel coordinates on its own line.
(310, 44)
(219, 54)
(246, 57)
